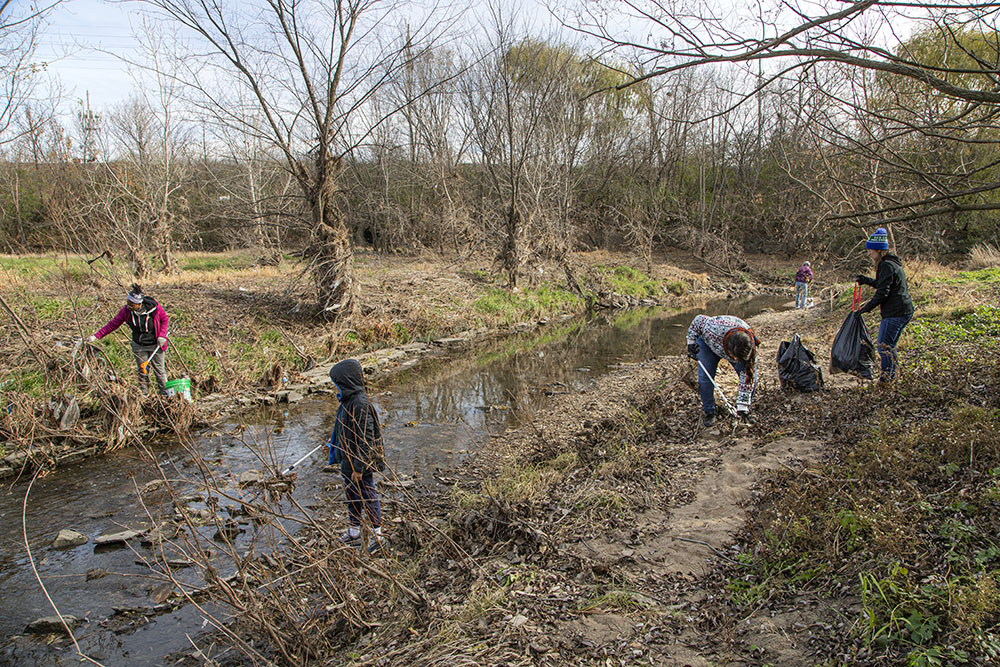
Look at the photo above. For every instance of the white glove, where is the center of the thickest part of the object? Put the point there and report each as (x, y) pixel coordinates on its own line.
(92, 338)
(161, 341)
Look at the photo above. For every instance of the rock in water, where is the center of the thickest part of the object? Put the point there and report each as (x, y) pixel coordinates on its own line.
(68, 538)
(114, 538)
(248, 477)
(51, 624)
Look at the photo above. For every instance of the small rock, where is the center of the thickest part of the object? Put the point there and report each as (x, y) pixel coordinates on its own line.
(160, 593)
(293, 397)
(248, 477)
(166, 531)
(115, 538)
(52, 624)
(228, 530)
(519, 620)
(154, 485)
(68, 538)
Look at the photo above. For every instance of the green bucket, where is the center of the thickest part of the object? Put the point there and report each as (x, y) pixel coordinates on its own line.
(180, 387)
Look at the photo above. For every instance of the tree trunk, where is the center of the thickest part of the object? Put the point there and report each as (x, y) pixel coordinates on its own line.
(331, 249)
(510, 253)
(161, 240)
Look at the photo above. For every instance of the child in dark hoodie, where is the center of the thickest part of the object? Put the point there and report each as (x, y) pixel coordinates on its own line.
(356, 444)
(892, 297)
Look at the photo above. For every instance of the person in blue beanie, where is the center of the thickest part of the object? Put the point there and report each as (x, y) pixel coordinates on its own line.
(356, 444)
(892, 297)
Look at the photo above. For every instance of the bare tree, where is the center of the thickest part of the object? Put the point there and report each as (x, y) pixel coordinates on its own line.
(20, 24)
(308, 67)
(938, 81)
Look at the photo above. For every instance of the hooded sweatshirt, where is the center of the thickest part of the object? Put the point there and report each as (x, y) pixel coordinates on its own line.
(891, 292)
(148, 323)
(357, 436)
(712, 330)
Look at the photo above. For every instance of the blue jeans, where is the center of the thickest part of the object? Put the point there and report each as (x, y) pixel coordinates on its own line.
(801, 291)
(710, 360)
(889, 332)
(363, 501)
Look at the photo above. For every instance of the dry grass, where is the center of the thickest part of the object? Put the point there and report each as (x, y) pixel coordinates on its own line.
(984, 256)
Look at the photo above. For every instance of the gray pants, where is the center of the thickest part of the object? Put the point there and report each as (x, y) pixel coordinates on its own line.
(158, 366)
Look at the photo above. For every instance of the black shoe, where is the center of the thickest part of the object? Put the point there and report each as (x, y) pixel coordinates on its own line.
(708, 420)
(377, 546)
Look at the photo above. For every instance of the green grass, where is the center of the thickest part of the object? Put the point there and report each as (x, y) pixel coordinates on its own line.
(216, 262)
(31, 383)
(979, 324)
(630, 281)
(905, 514)
(36, 266)
(510, 307)
(990, 276)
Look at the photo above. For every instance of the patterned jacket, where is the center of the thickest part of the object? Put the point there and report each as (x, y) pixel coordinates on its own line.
(712, 330)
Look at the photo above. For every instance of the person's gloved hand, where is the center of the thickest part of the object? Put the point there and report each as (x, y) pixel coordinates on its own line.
(861, 278)
(161, 341)
(743, 412)
(693, 350)
(91, 339)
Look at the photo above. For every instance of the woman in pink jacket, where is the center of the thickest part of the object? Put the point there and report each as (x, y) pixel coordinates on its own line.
(149, 325)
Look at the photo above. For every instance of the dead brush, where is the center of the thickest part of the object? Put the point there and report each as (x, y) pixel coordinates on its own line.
(984, 255)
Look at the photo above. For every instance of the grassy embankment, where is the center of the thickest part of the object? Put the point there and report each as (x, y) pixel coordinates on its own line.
(235, 325)
(899, 531)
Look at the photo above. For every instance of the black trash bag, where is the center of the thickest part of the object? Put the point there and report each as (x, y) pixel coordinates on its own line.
(797, 367)
(853, 350)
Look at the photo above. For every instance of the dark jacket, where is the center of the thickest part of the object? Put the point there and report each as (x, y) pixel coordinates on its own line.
(148, 323)
(891, 293)
(356, 442)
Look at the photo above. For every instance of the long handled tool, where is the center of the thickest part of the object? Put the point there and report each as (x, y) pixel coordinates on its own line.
(144, 366)
(712, 380)
(289, 468)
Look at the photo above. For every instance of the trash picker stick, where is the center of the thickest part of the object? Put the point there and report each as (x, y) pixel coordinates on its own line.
(289, 468)
(712, 380)
(144, 366)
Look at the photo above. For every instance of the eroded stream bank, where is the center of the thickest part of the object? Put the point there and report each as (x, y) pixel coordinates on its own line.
(432, 417)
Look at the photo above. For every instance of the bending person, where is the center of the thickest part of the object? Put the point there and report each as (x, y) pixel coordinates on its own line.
(149, 324)
(892, 296)
(710, 339)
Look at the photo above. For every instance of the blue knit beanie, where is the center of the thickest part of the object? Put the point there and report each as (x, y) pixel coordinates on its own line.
(878, 241)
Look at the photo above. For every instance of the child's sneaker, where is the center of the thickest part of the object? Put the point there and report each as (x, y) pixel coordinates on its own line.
(377, 546)
(350, 539)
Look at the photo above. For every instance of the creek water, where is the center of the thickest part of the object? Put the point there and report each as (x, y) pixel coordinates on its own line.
(432, 416)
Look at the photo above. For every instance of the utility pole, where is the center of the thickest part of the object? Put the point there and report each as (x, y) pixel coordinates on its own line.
(90, 124)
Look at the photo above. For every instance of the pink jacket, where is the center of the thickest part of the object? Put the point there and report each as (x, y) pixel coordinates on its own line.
(160, 323)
